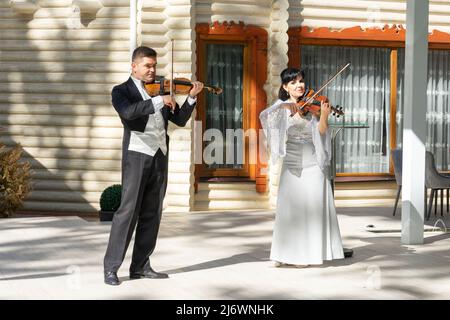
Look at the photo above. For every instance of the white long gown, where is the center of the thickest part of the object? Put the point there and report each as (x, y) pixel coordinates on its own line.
(306, 229)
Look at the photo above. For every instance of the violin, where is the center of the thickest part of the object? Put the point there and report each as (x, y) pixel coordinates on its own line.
(311, 101)
(162, 86)
(306, 104)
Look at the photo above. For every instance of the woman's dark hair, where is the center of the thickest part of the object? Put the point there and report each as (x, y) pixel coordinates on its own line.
(287, 75)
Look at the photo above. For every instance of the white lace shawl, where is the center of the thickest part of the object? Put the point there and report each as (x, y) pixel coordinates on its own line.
(274, 121)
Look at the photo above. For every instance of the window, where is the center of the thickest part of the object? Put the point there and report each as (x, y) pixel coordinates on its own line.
(323, 50)
(243, 49)
(438, 108)
(364, 93)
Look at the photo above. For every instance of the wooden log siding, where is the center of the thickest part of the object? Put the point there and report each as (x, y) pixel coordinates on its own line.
(350, 13)
(56, 75)
(251, 12)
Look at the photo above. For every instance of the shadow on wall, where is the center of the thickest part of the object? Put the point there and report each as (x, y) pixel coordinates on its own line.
(55, 82)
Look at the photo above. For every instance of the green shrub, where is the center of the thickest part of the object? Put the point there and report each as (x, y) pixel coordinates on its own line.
(110, 198)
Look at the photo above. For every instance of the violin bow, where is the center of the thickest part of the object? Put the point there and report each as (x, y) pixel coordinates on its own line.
(172, 82)
(310, 99)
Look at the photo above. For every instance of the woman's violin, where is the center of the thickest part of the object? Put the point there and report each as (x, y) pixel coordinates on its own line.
(311, 101)
(162, 86)
(306, 104)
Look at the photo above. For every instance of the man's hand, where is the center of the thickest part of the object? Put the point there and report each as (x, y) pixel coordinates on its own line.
(197, 87)
(170, 102)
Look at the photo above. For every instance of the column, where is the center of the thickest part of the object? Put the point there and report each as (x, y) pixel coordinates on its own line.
(414, 125)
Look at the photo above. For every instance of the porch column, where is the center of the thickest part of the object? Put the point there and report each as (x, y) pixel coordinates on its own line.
(133, 26)
(414, 124)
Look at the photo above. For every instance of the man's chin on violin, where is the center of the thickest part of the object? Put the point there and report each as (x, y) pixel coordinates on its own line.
(144, 69)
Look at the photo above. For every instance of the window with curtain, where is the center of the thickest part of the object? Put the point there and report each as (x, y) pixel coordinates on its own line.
(363, 91)
(225, 69)
(438, 118)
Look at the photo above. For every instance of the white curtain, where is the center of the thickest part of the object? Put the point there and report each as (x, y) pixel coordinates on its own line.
(225, 111)
(438, 117)
(363, 92)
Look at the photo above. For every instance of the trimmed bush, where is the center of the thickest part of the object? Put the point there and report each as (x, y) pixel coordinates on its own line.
(110, 198)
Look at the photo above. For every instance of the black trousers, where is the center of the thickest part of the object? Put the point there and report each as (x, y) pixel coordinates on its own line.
(144, 184)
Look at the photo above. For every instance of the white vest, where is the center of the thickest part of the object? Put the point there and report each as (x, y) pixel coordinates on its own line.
(154, 135)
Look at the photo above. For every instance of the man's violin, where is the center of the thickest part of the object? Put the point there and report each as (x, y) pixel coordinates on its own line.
(162, 86)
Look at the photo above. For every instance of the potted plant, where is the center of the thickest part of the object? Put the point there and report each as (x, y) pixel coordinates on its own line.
(110, 202)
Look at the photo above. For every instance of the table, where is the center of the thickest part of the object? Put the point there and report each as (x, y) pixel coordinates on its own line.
(335, 129)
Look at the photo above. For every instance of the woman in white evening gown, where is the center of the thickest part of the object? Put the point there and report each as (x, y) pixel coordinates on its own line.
(306, 230)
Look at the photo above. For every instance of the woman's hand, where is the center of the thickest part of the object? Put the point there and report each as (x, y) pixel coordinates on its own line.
(290, 106)
(325, 109)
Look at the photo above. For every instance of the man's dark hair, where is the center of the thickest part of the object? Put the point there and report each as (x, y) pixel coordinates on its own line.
(143, 51)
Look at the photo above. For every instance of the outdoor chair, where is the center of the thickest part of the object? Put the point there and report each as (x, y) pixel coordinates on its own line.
(397, 160)
(435, 181)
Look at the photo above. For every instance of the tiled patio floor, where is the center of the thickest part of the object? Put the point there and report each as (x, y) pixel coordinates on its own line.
(221, 255)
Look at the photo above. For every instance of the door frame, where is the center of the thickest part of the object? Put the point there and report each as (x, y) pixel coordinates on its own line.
(255, 61)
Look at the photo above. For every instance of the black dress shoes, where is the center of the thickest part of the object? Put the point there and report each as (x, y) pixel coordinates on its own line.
(148, 273)
(111, 278)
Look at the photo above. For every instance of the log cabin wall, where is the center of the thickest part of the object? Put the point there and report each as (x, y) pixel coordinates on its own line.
(58, 63)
